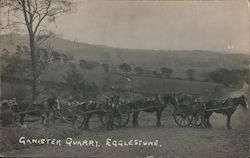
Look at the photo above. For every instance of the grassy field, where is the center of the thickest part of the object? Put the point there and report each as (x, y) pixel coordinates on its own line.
(139, 83)
(154, 85)
(143, 85)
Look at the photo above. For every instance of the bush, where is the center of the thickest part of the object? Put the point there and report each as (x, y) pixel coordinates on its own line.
(88, 64)
(230, 77)
(166, 72)
(125, 67)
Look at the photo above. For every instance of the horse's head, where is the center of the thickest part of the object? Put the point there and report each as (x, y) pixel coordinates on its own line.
(243, 102)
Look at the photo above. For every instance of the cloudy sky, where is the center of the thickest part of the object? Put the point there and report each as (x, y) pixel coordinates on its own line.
(221, 25)
(206, 25)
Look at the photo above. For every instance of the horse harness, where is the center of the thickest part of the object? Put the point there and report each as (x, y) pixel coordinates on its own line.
(227, 101)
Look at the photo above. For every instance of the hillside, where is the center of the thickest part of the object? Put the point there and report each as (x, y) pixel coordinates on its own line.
(149, 59)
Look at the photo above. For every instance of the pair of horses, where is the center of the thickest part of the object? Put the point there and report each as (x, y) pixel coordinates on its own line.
(109, 108)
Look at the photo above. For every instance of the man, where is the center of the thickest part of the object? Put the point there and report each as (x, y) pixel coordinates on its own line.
(53, 105)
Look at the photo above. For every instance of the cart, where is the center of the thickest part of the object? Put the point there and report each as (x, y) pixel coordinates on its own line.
(108, 113)
(39, 109)
(191, 114)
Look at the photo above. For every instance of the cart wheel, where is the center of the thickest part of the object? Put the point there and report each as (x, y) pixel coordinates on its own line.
(195, 120)
(117, 119)
(124, 119)
(180, 118)
(120, 120)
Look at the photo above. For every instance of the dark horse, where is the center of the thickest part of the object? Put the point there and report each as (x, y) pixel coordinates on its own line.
(155, 104)
(25, 107)
(226, 107)
(103, 110)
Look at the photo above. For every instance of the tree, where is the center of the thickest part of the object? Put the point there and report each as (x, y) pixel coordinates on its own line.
(18, 63)
(125, 67)
(139, 70)
(225, 76)
(56, 56)
(190, 74)
(166, 71)
(35, 14)
(88, 64)
(13, 65)
(18, 67)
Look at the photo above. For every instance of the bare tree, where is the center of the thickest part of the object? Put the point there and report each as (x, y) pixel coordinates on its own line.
(35, 15)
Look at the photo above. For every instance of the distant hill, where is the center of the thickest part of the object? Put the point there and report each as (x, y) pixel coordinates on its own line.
(202, 62)
(149, 59)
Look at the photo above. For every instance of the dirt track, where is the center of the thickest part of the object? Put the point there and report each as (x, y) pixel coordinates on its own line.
(216, 142)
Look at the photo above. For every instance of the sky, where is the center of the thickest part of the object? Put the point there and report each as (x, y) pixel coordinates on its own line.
(167, 25)
(221, 25)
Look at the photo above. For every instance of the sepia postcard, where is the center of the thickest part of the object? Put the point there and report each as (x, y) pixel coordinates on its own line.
(124, 78)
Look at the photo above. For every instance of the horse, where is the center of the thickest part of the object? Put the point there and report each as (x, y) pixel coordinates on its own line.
(104, 110)
(226, 107)
(42, 108)
(185, 98)
(154, 104)
(25, 107)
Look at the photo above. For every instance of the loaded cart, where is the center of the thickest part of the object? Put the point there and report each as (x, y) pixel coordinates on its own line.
(190, 114)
